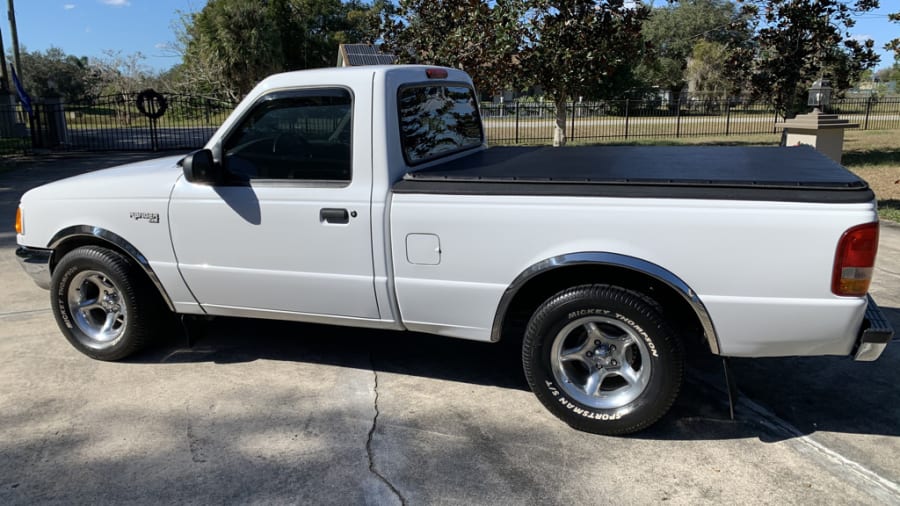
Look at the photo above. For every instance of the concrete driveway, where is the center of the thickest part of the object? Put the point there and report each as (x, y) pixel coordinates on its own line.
(268, 412)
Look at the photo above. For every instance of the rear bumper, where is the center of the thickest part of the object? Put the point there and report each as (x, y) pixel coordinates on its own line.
(874, 335)
(36, 262)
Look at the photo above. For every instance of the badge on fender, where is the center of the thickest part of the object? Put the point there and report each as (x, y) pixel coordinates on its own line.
(150, 217)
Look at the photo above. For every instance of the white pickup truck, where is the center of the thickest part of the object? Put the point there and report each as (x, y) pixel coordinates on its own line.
(367, 197)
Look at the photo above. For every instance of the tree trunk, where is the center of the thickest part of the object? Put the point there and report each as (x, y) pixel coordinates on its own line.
(559, 132)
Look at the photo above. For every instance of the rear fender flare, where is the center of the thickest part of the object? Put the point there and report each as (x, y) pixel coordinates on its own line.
(613, 260)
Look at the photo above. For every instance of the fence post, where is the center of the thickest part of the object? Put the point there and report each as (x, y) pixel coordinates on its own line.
(868, 109)
(517, 121)
(572, 130)
(626, 118)
(678, 117)
(727, 116)
(34, 121)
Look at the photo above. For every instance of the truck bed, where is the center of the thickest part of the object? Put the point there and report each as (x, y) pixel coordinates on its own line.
(799, 174)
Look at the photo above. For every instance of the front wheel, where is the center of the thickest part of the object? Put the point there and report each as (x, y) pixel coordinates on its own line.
(101, 303)
(602, 359)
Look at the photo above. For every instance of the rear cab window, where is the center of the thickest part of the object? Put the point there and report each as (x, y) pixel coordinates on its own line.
(437, 120)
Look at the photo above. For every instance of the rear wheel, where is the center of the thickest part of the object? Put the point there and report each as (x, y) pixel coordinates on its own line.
(602, 359)
(102, 304)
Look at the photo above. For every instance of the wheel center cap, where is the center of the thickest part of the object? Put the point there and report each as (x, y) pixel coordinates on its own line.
(109, 301)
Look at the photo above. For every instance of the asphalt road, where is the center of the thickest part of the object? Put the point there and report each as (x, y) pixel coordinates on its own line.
(269, 412)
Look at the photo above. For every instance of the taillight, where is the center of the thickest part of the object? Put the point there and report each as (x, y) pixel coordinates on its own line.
(854, 260)
(433, 73)
(19, 227)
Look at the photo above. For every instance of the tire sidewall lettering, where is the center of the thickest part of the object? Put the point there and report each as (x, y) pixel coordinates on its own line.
(581, 410)
(61, 299)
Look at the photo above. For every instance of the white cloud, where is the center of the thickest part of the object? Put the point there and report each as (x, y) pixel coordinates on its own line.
(117, 3)
(161, 45)
(68, 7)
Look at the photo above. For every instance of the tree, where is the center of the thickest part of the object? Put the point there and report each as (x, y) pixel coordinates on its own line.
(483, 38)
(55, 73)
(311, 30)
(707, 70)
(230, 45)
(894, 45)
(801, 41)
(581, 48)
(673, 32)
(888, 74)
(118, 73)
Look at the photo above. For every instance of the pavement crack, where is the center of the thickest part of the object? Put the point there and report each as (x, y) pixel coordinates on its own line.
(369, 452)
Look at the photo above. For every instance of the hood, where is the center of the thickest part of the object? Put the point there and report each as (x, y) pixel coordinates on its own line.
(149, 179)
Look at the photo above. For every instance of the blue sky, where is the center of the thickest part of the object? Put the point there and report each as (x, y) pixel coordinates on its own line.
(87, 27)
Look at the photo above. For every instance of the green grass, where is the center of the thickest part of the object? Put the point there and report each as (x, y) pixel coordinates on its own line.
(889, 210)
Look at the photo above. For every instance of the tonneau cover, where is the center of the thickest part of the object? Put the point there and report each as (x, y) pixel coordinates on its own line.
(746, 173)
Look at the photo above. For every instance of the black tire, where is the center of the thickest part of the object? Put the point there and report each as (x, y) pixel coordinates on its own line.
(571, 341)
(114, 291)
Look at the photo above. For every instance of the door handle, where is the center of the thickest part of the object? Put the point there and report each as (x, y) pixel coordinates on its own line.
(338, 216)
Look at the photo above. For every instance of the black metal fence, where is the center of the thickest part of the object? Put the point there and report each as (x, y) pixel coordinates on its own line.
(123, 122)
(533, 122)
(152, 122)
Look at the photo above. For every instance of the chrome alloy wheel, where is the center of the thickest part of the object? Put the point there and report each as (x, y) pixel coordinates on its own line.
(600, 362)
(96, 308)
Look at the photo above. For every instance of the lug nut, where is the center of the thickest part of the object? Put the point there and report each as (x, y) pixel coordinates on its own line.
(596, 342)
(614, 363)
(612, 347)
(590, 354)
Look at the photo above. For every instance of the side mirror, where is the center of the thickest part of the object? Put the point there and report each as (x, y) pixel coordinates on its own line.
(199, 167)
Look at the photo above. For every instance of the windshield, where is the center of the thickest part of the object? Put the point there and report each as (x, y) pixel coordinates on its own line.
(438, 120)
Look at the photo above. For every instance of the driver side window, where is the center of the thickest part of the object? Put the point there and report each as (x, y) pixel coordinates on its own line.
(297, 135)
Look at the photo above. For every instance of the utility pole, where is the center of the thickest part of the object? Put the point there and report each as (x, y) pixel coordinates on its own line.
(4, 72)
(17, 62)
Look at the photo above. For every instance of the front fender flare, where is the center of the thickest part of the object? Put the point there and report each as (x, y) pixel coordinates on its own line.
(108, 237)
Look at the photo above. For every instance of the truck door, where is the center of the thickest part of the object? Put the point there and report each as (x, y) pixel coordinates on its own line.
(289, 230)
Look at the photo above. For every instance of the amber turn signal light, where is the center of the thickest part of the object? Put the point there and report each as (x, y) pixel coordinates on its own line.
(19, 227)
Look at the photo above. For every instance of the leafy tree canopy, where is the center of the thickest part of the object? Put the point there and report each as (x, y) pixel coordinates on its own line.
(481, 37)
(570, 48)
(894, 45)
(55, 73)
(232, 44)
(674, 30)
(581, 48)
(799, 41)
(707, 69)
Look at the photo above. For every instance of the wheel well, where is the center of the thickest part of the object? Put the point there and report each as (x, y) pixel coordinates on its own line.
(538, 289)
(67, 245)
(71, 243)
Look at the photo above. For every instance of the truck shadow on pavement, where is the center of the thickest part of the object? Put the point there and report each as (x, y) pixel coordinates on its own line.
(779, 398)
